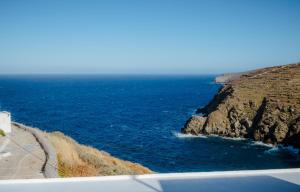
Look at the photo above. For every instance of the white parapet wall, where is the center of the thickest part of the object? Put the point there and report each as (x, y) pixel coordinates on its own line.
(5, 121)
(280, 180)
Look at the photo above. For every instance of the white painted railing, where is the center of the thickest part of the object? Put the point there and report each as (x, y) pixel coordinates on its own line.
(280, 180)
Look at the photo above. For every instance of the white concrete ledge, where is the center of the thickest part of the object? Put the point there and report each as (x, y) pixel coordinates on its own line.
(280, 180)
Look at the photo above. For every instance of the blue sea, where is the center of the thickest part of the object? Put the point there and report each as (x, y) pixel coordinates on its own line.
(136, 118)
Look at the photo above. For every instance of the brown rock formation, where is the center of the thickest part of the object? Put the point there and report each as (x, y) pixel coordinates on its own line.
(263, 105)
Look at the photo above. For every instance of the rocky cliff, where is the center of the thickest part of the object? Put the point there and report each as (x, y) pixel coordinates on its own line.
(262, 105)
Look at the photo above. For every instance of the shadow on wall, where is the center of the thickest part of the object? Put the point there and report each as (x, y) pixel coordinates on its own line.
(230, 184)
(263, 183)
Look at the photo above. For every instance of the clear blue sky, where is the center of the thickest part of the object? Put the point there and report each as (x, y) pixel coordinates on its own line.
(147, 36)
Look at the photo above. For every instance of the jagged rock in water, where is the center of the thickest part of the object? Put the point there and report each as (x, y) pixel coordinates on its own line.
(263, 105)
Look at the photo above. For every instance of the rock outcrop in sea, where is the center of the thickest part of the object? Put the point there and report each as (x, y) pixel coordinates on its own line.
(263, 105)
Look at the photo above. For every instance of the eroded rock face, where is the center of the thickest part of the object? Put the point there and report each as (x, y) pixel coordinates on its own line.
(263, 105)
(194, 125)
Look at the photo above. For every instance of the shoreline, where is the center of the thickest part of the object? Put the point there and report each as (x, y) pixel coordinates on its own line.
(270, 147)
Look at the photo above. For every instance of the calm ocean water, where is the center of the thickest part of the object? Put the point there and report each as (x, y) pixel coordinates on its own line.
(137, 118)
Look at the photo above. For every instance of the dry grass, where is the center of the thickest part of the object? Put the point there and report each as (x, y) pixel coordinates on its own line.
(280, 83)
(79, 160)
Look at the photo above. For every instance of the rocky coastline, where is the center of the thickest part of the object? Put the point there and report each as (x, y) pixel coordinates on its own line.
(263, 105)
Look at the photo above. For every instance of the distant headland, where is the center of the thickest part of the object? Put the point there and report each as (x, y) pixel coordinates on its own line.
(263, 105)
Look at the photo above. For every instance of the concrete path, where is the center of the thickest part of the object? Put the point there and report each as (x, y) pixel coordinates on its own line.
(21, 156)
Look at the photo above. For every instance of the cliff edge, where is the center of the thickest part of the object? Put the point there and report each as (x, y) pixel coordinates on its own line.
(57, 155)
(75, 159)
(262, 105)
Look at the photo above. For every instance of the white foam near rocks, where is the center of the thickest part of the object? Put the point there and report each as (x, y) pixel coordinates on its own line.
(228, 138)
(234, 138)
(182, 135)
(280, 148)
(260, 143)
(273, 149)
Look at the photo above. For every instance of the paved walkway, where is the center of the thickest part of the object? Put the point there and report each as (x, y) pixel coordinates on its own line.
(21, 156)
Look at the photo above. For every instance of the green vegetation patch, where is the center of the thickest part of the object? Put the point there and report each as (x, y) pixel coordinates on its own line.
(60, 169)
(2, 133)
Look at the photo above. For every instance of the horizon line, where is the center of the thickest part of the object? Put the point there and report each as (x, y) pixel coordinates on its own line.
(112, 74)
